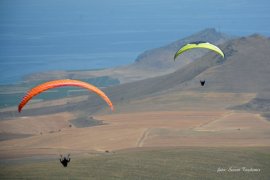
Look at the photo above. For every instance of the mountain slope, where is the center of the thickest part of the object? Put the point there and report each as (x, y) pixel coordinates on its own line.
(161, 58)
(151, 63)
(245, 68)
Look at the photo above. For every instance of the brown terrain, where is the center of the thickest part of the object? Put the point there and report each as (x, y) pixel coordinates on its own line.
(169, 110)
(194, 119)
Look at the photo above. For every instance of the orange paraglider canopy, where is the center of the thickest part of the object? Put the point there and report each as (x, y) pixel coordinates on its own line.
(59, 83)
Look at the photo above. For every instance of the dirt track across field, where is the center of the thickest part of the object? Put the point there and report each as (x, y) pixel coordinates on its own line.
(143, 123)
(150, 129)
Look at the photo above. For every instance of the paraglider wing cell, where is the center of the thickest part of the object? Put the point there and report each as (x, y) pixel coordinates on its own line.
(60, 83)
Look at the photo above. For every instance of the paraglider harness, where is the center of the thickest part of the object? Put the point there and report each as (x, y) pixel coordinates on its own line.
(64, 160)
(202, 82)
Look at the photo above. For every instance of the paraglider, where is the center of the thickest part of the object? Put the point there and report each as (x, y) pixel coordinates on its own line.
(198, 44)
(60, 83)
(64, 160)
(202, 82)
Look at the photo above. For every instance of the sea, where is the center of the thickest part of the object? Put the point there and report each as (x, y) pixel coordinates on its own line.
(51, 35)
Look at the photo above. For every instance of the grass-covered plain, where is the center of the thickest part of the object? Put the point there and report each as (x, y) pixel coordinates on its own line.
(148, 163)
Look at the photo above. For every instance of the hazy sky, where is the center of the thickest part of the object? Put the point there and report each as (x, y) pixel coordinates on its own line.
(241, 16)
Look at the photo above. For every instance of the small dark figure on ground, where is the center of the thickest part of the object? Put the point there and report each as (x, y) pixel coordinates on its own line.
(64, 160)
(202, 83)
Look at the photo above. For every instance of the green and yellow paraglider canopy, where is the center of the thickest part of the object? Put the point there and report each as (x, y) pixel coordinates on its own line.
(199, 44)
